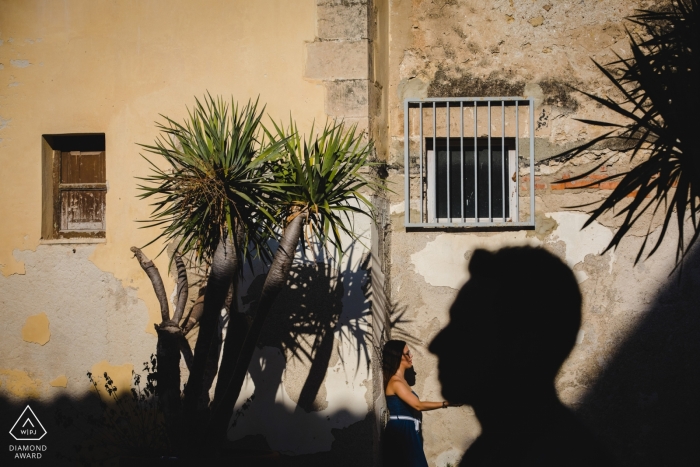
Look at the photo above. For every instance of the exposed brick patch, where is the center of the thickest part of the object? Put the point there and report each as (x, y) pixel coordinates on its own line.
(609, 185)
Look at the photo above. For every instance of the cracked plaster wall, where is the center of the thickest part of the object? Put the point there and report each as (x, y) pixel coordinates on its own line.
(63, 317)
(464, 48)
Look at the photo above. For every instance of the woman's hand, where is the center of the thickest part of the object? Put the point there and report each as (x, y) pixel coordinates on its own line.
(446, 404)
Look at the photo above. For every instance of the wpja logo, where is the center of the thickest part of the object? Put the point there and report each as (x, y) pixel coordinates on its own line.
(28, 428)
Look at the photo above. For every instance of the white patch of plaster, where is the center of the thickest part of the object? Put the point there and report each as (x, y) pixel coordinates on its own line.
(20, 63)
(449, 457)
(579, 243)
(29, 41)
(400, 208)
(13, 84)
(4, 122)
(93, 317)
(442, 262)
(2, 66)
(580, 276)
(397, 208)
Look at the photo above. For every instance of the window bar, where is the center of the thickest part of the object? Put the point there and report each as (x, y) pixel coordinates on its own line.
(489, 159)
(435, 157)
(503, 160)
(461, 159)
(407, 189)
(449, 163)
(532, 159)
(476, 165)
(516, 215)
(420, 161)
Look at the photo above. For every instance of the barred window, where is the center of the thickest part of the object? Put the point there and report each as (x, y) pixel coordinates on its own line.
(463, 162)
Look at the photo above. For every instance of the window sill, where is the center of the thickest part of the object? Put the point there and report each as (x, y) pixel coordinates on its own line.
(72, 241)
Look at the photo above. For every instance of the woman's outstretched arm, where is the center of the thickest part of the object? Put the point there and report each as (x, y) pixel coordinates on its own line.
(401, 389)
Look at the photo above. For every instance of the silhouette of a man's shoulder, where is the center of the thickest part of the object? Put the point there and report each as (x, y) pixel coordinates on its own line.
(561, 442)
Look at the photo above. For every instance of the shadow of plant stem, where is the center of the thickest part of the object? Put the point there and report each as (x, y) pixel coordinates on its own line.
(322, 179)
(659, 93)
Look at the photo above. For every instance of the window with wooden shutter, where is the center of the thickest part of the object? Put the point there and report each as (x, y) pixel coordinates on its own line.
(75, 186)
(82, 191)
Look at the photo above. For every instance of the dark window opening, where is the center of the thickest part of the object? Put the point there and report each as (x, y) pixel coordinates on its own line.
(462, 191)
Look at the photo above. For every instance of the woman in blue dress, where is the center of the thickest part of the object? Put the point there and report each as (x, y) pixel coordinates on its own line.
(403, 436)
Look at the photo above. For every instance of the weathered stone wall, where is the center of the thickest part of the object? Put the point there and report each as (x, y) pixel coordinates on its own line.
(540, 49)
(338, 58)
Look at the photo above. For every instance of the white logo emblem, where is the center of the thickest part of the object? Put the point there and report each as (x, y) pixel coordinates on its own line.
(28, 427)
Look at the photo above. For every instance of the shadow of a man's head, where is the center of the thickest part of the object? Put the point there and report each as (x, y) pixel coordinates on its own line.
(511, 326)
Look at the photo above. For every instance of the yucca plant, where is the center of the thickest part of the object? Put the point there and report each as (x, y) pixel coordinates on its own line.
(658, 86)
(212, 200)
(323, 178)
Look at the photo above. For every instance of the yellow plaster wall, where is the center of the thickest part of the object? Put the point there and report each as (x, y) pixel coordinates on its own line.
(121, 376)
(20, 384)
(59, 382)
(97, 66)
(36, 329)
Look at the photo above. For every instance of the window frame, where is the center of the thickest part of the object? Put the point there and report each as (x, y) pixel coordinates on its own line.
(426, 173)
(53, 188)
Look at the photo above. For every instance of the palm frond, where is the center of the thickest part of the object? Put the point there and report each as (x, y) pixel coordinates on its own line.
(659, 97)
(215, 178)
(323, 175)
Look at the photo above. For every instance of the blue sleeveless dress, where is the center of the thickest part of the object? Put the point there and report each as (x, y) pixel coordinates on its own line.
(403, 437)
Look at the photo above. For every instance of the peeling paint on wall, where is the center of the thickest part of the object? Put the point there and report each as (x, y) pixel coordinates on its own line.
(20, 63)
(443, 262)
(92, 316)
(20, 384)
(579, 243)
(59, 382)
(11, 266)
(36, 329)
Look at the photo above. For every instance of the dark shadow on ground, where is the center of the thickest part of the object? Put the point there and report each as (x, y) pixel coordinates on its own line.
(646, 403)
(351, 445)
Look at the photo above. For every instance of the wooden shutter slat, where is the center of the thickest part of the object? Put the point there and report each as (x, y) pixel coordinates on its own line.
(83, 167)
(82, 210)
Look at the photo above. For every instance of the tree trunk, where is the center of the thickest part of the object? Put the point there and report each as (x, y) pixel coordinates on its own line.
(235, 336)
(223, 269)
(274, 282)
(168, 379)
(168, 347)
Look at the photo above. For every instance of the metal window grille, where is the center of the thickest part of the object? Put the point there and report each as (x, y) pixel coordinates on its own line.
(463, 162)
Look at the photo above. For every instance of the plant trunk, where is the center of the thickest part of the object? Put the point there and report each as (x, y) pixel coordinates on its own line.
(168, 379)
(235, 336)
(274, 282)
(168, 348)
(223, 269)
